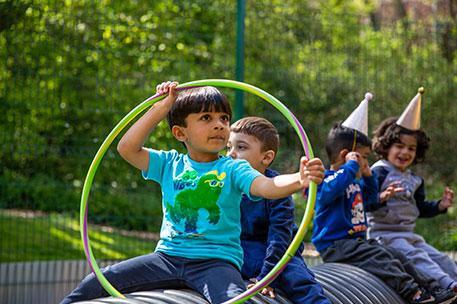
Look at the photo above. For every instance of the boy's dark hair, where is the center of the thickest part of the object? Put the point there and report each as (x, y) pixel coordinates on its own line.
(261, 129)
(196, 100)
(340, 138)
(388, 133)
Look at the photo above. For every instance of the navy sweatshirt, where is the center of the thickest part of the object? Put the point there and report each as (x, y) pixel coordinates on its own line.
(340, 205)
(267, 228)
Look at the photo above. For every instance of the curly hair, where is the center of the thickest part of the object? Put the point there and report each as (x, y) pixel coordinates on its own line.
(388, 133)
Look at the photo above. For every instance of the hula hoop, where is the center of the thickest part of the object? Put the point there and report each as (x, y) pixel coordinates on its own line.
(147, 103)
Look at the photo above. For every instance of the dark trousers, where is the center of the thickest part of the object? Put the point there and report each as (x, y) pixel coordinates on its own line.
(217, 280)
(376, 259)
(299, 283)
(296, 280)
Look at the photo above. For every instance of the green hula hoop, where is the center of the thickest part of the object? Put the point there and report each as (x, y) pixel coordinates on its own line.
(146, 104)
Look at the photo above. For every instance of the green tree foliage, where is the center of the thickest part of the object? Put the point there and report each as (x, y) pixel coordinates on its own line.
(72, 69)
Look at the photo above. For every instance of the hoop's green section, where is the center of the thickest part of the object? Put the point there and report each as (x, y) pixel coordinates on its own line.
(147, 103)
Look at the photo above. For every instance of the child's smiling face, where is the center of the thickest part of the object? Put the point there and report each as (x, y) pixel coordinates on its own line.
(402, 154)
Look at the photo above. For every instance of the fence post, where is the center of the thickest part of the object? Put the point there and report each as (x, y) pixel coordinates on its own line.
(239, 72)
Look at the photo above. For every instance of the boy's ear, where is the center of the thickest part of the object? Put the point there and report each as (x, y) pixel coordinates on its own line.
(179, 133)
(343, 154)
(268, 157)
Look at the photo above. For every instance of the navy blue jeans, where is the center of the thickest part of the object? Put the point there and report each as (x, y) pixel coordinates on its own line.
(217, 280)
(299, 283)
(296, 281)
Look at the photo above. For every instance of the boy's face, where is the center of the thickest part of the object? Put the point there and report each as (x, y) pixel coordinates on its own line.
(248, 147)
(403, 153)
(205, 134)
(364, 153)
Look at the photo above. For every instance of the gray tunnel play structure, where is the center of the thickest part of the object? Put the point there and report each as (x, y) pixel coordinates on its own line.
(343, 284)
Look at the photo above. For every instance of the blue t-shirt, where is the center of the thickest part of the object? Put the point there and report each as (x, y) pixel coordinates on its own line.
(201, 204)
(340, 203)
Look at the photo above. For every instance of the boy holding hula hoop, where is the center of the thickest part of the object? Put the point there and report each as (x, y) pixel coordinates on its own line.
(199, 246)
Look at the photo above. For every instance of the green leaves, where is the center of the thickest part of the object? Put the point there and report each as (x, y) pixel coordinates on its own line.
(72, 69)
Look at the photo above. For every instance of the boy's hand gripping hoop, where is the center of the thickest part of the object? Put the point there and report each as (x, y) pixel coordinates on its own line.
(146, 104)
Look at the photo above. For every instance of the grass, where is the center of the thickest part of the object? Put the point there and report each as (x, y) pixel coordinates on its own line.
(32, 236)
(439, 231)
(29, 236)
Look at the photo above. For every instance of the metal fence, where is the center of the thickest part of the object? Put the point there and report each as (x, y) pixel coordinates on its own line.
(62, 88)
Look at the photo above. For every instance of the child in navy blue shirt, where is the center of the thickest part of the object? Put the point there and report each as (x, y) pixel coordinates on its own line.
(268, 225)
(339, 231)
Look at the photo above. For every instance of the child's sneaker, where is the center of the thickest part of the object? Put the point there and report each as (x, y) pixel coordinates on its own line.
(444, 296)
(424, 298)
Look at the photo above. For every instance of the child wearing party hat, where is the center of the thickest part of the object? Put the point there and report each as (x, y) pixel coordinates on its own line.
(401, 143)
(339, 230)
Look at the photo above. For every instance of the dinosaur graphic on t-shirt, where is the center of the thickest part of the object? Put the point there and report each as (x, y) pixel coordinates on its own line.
(188, 202)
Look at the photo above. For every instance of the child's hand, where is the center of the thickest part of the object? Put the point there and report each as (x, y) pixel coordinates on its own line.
(391, 190)
(170, 88)
(353, 156)
(267, 291)
(447, 200)
(364, 167)
(312, 170)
